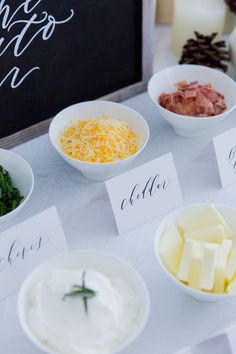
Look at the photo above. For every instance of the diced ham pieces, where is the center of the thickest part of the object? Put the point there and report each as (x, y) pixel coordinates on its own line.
(194, 100)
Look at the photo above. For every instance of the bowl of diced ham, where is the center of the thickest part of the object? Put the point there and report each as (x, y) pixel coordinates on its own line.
(192, 98)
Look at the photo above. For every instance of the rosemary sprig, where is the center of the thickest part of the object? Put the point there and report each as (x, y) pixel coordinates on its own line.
(82, 292)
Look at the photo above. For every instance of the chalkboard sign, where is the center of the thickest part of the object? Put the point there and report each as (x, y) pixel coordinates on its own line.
(57, 53)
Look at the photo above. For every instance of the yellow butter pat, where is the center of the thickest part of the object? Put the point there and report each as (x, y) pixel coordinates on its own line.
(210, 252)
(184, 268)
(222, 259)
(171, 248)
(207, 216)
(196, 268)
(214, 234)
(231, 266)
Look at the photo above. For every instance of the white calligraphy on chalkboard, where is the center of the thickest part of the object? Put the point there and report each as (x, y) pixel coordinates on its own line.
(32, 25)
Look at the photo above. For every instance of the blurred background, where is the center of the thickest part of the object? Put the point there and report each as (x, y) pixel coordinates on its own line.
(176, 24)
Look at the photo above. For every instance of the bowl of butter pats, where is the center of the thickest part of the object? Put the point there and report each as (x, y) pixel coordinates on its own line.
(196, 248)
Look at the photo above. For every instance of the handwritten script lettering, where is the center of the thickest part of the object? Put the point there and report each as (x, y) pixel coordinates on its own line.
(31, 25)
(232, 158)
(139, 192)
(18, 252)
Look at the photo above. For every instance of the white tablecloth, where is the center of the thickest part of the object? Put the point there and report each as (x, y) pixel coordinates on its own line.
(176, 319)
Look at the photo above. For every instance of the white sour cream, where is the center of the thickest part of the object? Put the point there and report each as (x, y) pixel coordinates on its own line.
(64, 325)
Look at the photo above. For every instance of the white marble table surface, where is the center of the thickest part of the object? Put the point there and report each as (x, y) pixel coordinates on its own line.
(176, 319)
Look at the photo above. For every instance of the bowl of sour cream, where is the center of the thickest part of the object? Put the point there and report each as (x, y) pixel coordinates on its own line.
(83, 302)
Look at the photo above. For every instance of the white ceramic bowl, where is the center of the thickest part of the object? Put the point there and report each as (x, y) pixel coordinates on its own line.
(228, 213)
(98, 171)
(105, 263)
(22, 178)
(165, 80)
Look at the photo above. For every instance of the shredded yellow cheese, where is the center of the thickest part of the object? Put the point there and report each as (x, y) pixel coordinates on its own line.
(101, 139)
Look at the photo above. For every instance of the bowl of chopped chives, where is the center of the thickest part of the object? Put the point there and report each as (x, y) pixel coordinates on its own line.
(16, 184)
(99, 138)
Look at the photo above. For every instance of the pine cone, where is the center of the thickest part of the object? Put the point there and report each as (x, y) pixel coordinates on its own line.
(232, 5)
(203, 51)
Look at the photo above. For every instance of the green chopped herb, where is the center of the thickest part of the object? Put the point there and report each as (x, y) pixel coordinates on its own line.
(10, 196)
(81, 292)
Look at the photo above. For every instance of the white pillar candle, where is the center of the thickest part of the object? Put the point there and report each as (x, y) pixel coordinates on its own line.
(204, 16)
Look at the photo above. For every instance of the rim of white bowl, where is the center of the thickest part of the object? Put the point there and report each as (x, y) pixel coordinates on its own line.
(60, 151)
(192, 117)
(24, 201)
(129, 340)
(157, 239)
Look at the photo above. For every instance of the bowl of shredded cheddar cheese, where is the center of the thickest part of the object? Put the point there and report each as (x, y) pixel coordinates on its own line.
(99, 138)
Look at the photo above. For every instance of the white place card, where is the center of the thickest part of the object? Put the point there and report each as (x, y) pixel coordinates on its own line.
(225, 148)
(144, 193)
(26, 245)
